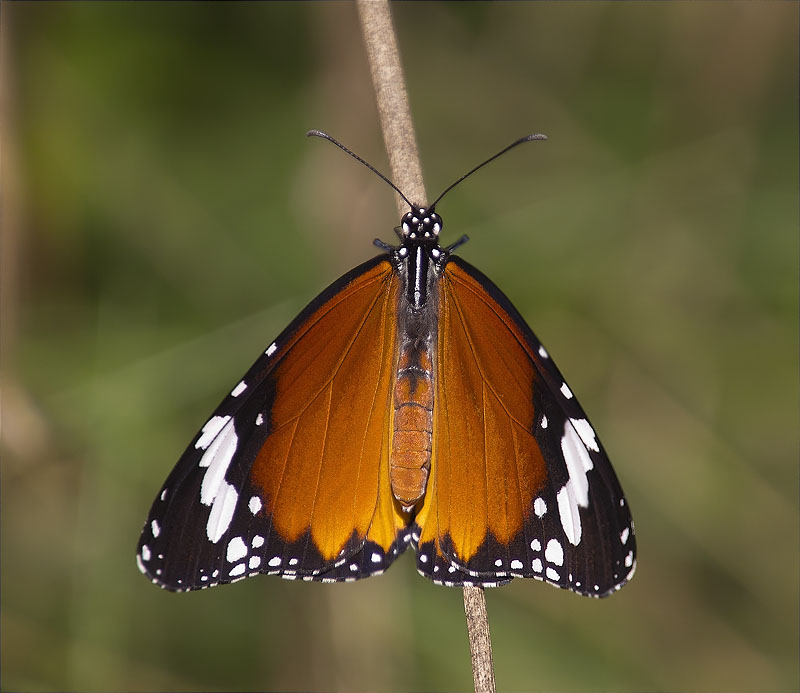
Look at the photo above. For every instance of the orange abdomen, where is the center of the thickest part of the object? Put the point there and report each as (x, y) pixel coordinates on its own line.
(410, 459)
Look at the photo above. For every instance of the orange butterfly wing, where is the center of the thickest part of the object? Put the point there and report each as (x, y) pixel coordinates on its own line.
(512, 455)
(304, 492)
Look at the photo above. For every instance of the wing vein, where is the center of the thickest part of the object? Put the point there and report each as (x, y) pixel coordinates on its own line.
(471, 343)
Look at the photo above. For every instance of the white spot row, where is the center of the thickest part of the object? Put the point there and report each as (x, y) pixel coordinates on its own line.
(237, 550)
(239, 389)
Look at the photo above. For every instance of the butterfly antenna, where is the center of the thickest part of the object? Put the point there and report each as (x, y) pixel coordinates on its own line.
(326, 136)
(527, 138)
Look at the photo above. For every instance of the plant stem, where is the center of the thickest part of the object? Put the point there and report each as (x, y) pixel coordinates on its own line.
(401, 144)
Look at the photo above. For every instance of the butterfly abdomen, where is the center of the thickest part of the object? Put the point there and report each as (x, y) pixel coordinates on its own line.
(410, 460)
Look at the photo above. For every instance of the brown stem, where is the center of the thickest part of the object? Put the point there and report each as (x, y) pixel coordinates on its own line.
(401, 145)
(393, 106)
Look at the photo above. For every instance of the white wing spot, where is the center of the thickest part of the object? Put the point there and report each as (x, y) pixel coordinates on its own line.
(164, 495)
(214, 489)
(236, 550)
(587, 434)
(544, 421)
(516, 565)
(499, 562)
(146, 552)
(629, 559)
(271, 349)
(254, 562)
(274, 561)
(537, 565)
(155, 528)
(353, 567)
(293, 561)
(239, 389)
(568, 512)
(257, 542)
(259, 419)
(554, 553)
(575, 493)
(254, 505)
(543, 353)
(237, 570)
(552, 574)
(219, 519)
(539, 507)
(376, 558)
(209, 432)
(566, 391)
(624, 536)
(536, 545)
(423, 558)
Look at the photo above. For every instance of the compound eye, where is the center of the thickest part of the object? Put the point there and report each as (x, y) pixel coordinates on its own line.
(407, 223)
(435, 223)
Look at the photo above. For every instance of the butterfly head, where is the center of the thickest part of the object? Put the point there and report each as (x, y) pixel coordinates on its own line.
(420, 224)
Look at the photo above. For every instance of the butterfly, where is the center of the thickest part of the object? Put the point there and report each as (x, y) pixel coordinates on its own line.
(409, 404)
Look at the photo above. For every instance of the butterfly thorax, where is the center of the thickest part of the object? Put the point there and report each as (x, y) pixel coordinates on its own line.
(419, 260)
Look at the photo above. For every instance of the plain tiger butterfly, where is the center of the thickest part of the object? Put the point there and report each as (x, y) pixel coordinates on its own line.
(409, 404)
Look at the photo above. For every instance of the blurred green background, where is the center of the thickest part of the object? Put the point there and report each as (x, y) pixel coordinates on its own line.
(164, 218)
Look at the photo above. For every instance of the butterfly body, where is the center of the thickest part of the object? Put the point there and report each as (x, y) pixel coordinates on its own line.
(418, 263)
(408, 405)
